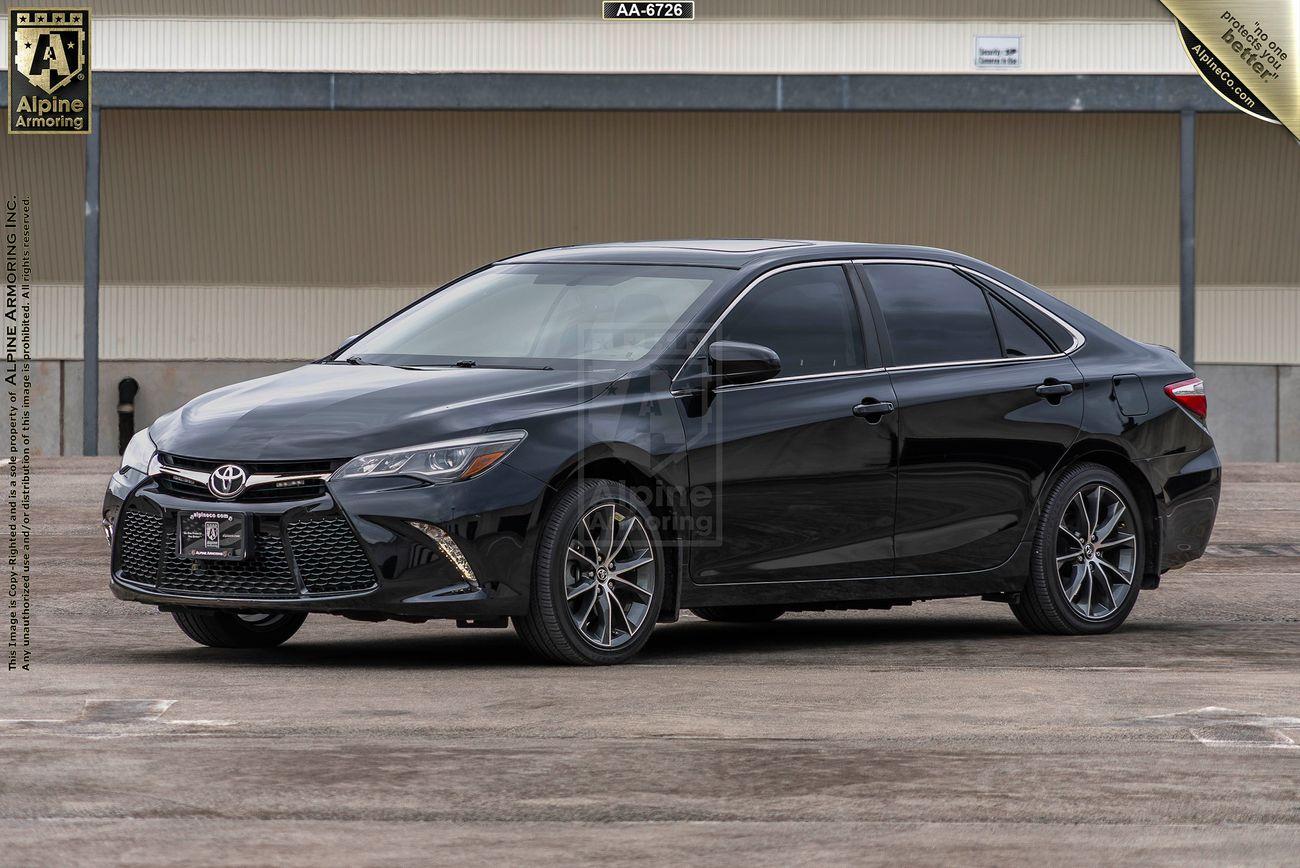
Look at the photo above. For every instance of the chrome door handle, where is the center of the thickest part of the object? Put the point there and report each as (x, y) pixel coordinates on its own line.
(1054, 390)
(873, 411)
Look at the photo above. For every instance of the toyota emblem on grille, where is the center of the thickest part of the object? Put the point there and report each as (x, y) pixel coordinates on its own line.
(227, 480)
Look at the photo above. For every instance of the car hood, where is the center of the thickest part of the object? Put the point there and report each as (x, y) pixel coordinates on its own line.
(340, 411)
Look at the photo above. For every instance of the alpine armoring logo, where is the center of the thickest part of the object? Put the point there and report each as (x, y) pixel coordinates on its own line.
(49, 71)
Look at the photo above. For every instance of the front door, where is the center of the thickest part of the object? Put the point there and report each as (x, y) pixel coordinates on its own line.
(788, 483)
(987, 409)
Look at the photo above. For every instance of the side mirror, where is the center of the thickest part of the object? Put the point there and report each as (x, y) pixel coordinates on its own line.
(732, 363)
(347, 342)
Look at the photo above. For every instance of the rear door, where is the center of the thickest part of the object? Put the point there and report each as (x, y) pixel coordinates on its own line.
(987, 407)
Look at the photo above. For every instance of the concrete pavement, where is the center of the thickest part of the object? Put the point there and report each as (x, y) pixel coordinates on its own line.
(937, 733)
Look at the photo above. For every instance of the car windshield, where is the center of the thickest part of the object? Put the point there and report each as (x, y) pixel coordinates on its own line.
(540, 315)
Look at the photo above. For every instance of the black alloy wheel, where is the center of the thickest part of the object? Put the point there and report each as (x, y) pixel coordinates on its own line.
(597, 584)
(1086, 564)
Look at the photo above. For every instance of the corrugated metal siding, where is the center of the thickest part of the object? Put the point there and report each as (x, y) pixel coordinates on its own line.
(1073, 9)
(212, 322)
(1145, 313)
(312, 205)
(1248, 202)
(1248, 325)
(412, 199)
(1234, 324)
(241, 322)
(51, 170)
(56, 322)
(706, 46)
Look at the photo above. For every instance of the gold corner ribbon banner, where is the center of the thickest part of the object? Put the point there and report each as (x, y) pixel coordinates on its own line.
(1246, 50)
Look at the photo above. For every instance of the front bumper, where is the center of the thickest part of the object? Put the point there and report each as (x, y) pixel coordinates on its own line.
(351, 550)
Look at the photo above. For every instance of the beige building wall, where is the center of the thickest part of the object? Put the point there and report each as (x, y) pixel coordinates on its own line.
(590, 45)
(728, 36)
(262, 235)
(542, 9)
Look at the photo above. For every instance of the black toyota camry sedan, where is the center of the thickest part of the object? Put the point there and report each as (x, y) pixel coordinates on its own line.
(588, 440)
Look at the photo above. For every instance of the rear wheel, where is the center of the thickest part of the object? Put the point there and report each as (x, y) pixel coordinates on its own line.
(739, 614)
(598, 580)
(217, 628)
(1086, 564)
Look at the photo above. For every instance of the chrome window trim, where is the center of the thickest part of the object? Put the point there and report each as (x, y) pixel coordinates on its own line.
(1077, 337)
(741, 295)
(776, 381)
(1075, 334)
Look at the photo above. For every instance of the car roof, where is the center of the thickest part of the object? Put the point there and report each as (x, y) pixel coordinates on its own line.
(735, 253)
(749, 256)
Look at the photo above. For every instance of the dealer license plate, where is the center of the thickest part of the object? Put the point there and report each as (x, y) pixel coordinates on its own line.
(211, 535)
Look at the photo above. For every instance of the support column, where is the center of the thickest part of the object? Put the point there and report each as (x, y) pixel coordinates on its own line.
(1187, 237)
(90, 302)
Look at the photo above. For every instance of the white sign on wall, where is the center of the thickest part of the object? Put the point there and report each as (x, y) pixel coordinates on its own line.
(997, 52)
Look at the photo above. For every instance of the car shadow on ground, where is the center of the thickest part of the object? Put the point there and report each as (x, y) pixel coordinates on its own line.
(803, 639)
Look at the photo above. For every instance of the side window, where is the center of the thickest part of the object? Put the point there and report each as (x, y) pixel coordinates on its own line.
(1019, 338)
(1057, 336)
(807, 315)
(933, 314)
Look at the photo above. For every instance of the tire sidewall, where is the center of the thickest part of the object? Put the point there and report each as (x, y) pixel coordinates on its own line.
(282, 622)
(549, 579)
(218, 628)
(1045, 554)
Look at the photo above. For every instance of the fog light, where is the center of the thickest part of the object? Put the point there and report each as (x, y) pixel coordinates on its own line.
(449, 549)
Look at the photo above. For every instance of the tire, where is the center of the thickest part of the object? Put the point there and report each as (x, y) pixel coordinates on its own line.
(1046, 604)
(739, 614)
(218, 628)
(552, 628)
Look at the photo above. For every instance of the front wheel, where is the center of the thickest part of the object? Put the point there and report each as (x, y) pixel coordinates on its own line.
(217, 628)
(1086, 564)
(599, 577)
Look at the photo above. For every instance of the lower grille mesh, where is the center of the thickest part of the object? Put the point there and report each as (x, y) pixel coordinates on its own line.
(140, 547)
(265, 573)
(329, 558)
(324, 549)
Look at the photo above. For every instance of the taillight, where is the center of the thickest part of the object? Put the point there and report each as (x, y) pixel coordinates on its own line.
(1190, 395)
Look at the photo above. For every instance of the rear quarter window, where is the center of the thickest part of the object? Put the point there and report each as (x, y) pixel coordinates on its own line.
(1019, 337)
(1057, 334)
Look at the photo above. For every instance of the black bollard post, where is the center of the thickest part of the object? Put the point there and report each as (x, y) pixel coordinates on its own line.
(126, 392)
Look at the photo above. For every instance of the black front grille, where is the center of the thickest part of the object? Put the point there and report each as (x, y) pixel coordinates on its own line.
(329, 558)
(207, 465)
(188, 488)
(290, 490)
(327, 555)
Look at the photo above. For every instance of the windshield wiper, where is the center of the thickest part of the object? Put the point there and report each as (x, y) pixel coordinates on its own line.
(470, 363)
(357, 360)
(463, 363)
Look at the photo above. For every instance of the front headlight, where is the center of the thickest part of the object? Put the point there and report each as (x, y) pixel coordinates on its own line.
(449, 461)
(140, 452)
